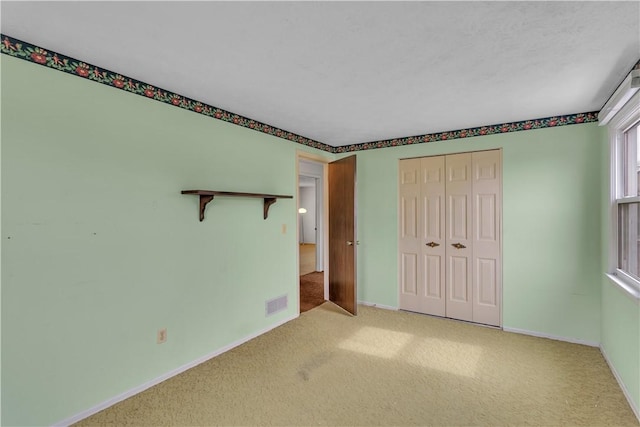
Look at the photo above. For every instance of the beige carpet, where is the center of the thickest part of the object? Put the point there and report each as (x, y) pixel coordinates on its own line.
(385, 368)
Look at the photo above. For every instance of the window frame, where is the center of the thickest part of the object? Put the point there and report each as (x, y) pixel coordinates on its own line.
(624, 119)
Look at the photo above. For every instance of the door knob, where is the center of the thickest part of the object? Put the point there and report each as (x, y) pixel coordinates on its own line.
(458, 245)
(349, 243)
(433, 244)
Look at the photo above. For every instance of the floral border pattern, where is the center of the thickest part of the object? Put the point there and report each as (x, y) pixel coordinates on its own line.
(547, 122)
(23, 50)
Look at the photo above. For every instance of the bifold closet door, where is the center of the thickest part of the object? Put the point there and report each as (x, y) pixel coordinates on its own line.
(449, 236)
(487, 259)
(421, 229)
(459, 238)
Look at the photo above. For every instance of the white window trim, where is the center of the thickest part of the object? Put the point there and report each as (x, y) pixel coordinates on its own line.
(625, 116)
(625, 287)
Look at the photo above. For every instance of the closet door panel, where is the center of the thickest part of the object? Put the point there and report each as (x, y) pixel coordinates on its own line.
(434, 278)
(409, 214)
(432, 245)
(457, 217)
(487, 263)
(458, 279)
(409, 271)
(458, 242)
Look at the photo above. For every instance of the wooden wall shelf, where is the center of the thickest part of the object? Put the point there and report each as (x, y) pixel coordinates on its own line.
(206, 196)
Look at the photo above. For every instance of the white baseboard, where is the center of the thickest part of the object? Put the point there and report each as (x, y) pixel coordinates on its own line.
(553, 337)
(142, 387)
(634, 408)
(371, 304)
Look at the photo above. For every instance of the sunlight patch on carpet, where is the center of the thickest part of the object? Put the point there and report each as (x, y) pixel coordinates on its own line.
(431, 353)
(377, 342)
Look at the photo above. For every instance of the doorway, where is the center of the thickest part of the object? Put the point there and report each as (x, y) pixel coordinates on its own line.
(311, 244)
(336, 239)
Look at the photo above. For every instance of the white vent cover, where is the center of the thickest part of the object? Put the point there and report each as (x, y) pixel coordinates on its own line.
(275, 305)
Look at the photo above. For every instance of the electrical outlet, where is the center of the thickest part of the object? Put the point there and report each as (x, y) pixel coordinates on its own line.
(162, 335)
(284, 228)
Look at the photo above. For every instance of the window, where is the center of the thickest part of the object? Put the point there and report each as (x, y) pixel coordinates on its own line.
(622, 115)
(628, 206)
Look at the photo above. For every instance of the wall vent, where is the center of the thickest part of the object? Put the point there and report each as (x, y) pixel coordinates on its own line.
(275, 305)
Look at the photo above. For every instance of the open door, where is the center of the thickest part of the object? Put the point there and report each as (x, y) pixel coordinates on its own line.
(342, 233)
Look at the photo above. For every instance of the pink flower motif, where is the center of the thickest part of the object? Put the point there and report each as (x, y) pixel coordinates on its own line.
(149, 92)
(39, 57)
(82, 71)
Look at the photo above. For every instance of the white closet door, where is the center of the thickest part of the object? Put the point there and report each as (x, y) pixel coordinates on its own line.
(487, 266)
(459, 238)
(432, 266)
(409, 241)
(422, 251)
(449, 247)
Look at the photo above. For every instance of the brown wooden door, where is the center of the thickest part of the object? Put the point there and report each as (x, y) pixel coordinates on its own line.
(342, 233)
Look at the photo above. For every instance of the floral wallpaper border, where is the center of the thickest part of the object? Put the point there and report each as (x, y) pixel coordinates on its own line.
(24, 50)
(547, 122)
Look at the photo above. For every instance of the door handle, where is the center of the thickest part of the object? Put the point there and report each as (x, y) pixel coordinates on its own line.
(349, 243)
(458, 245)
(433, 244)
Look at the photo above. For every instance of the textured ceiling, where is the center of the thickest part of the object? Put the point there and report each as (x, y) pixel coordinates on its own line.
(352, 72)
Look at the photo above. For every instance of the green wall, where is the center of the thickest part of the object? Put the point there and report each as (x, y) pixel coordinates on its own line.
(100, 249)
(621, 336)
(620, 314)
(551, 222)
